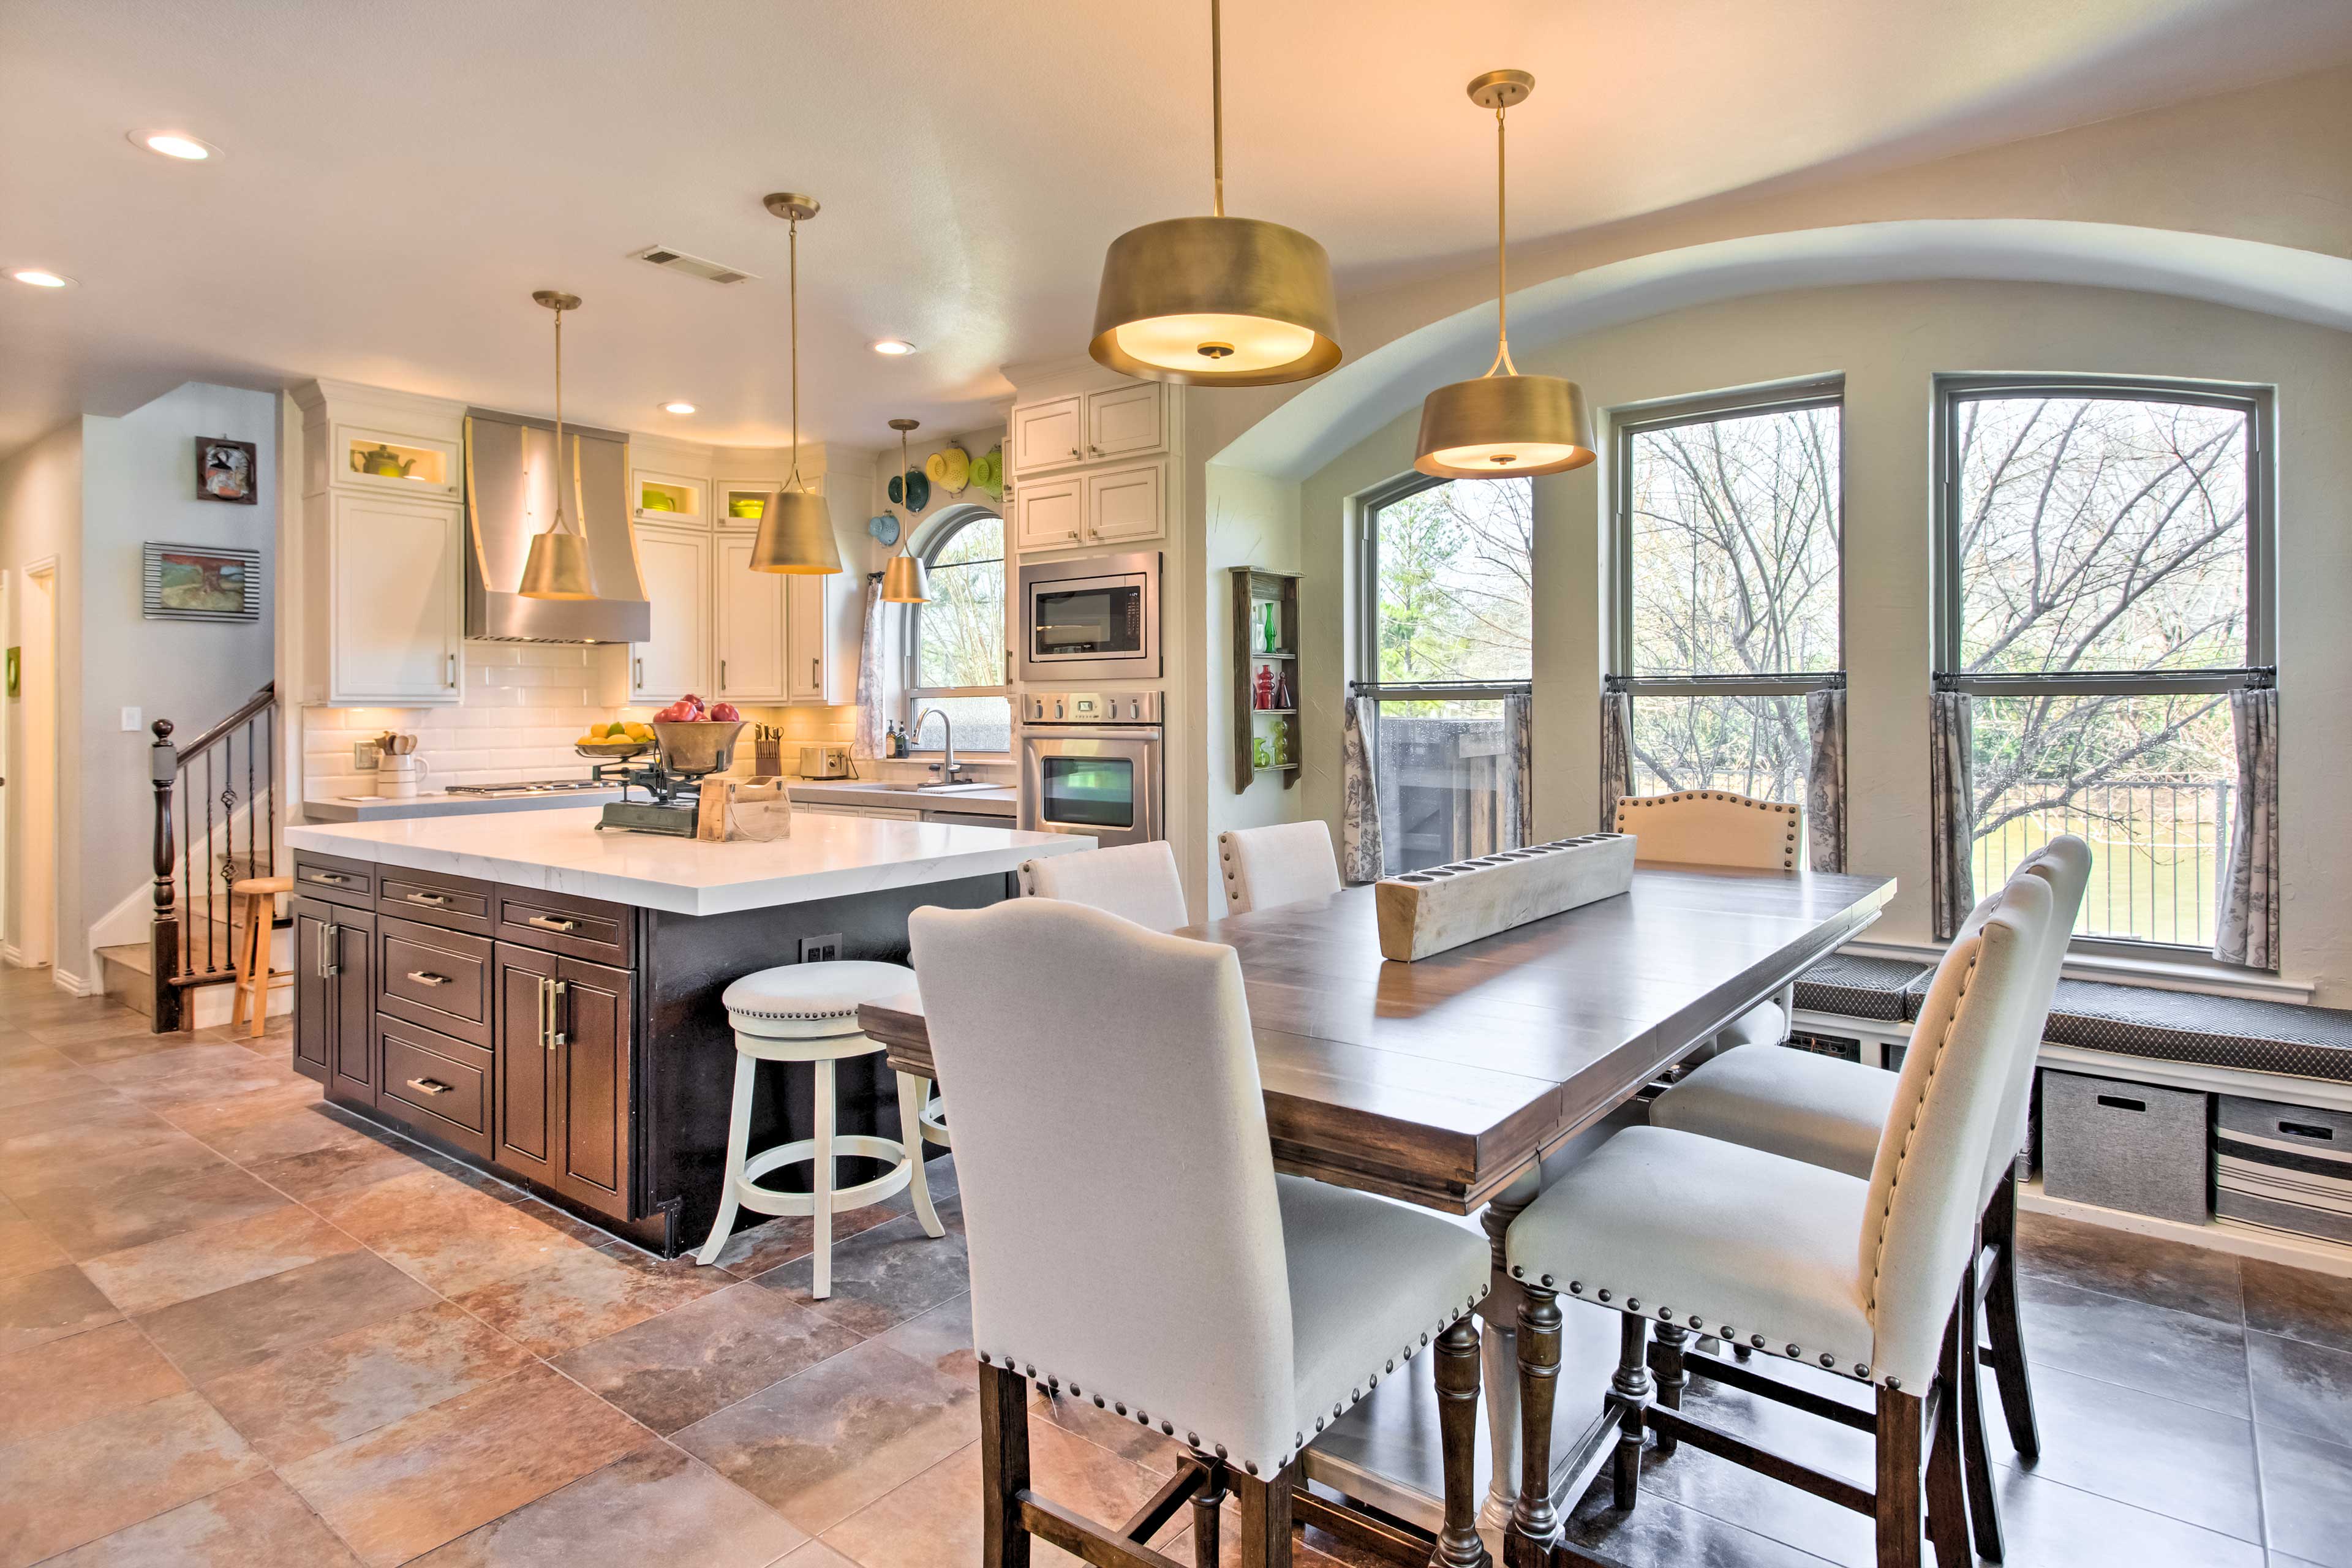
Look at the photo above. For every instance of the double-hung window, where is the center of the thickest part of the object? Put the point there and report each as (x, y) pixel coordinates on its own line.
(1729, 608)
(955, 643)
(1446, 571)
(2103, 550)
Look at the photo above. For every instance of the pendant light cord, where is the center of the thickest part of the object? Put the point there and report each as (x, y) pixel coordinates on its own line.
(793, 243)
(1217, 97)
(1502, 252)
(558, 525)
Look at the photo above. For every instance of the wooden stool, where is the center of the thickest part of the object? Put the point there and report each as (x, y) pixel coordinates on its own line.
(808, 1012)
(255, 898)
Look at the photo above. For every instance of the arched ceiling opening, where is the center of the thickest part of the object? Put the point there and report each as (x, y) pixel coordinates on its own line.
(1360, 397)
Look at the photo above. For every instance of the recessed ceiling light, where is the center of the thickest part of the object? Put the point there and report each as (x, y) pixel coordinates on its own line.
(894, 346)
(680, 407)
(174, 145)
(40, 278)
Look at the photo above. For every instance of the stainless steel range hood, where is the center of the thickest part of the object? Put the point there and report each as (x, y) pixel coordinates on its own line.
(511, 472)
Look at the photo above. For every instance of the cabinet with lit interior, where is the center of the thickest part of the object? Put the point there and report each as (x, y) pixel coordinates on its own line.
(1256, 593)
(675, 500)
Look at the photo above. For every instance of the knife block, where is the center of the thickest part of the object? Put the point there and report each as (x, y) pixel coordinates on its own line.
(1442, 907)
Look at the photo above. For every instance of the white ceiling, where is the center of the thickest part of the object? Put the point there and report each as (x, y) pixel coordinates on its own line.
(398, 177)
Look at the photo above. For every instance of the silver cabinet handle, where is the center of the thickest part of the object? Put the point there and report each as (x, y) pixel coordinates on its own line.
(639, 679)
(722, 674)
(550, 922)
(544, 1013)
(428, 1086)
(331, 957)
(815, 679)
(427, 977)
(453, 670)
(336, 878)
(555, 991)
(437, 900)
(1074, 452)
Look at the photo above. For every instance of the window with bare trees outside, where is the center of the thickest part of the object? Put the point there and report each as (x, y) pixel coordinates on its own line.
(956, 653)
(1447, 571)
(2104, 548)
(1729, 610)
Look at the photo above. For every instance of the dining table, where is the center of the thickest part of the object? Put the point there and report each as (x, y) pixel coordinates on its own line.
(1453, 1081)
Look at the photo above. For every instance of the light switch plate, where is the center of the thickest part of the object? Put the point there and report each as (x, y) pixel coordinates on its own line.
(363, 756)
(130, 719)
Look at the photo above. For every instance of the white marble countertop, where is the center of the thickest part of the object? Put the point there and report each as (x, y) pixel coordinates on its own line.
(562, 851)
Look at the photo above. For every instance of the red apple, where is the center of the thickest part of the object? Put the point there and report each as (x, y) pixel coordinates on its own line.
(726, 713)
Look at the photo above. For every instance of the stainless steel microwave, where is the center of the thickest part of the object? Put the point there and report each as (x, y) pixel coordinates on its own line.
(1093, 618)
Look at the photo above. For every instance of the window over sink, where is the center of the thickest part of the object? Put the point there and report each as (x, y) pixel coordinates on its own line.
(956, 652)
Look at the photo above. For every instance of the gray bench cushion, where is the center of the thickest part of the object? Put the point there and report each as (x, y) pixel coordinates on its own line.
(1854, 987)
(2189, 1026)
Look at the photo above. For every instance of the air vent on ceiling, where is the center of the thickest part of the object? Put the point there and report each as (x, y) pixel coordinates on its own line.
(674, 260)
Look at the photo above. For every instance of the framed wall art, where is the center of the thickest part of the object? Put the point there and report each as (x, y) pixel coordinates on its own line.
(200, 583)
(227, 471)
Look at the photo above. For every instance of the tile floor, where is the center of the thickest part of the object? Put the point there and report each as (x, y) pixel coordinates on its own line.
(240, 1328)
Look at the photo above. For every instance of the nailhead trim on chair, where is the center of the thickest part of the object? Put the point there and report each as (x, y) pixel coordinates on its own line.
(1789, 844)
(1371, 1381)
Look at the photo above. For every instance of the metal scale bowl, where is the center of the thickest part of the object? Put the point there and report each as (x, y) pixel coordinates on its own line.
(684, 754)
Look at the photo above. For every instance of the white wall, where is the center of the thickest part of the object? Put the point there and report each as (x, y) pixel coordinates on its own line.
(1888, 341)
(40, 518)
(138, 484)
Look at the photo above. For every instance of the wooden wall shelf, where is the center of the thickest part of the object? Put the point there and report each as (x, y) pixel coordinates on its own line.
(1253, 587)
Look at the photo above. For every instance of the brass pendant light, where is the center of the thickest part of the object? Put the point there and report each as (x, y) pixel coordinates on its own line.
(1504, 426)
(905, 581)
(557, 566)
(1217, 300)
(796, 527)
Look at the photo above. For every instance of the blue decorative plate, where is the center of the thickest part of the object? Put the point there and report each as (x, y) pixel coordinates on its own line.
(885, 528)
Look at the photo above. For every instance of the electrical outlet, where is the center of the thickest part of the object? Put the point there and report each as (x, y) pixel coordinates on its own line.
(363, 756)
(821, 949)
(130, 719)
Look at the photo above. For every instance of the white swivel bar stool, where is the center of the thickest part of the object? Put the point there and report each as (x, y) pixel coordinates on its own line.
(808, 1012)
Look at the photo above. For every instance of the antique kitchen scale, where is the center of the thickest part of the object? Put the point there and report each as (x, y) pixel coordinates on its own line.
(672, 782)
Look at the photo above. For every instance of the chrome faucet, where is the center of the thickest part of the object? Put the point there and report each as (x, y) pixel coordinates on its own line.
(946, 767)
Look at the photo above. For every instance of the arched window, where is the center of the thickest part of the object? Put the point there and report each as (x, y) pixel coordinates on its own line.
(955, 651)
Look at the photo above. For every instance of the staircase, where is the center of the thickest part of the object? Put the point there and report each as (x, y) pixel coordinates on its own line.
(216, 820)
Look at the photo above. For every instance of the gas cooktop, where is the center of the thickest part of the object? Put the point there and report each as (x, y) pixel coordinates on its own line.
(531, 787)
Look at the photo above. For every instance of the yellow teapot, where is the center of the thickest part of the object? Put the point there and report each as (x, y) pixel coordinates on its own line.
(382, 463)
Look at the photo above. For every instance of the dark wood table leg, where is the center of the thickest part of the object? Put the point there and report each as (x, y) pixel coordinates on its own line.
(1003, 1467)
(1458, 1374)
(1534, 1522)
(1500, 1310)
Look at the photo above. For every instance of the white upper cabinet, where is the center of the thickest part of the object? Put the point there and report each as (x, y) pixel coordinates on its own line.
(808, 602)
(395, 605)
(750, 624)
(675, 563)
(1123, 421)
(676, 501)
(1123, 504)
(1049, 514)
(1126, 420)
(1049, 435)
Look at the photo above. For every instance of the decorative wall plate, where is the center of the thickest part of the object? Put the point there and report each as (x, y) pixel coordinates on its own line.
(885, 528)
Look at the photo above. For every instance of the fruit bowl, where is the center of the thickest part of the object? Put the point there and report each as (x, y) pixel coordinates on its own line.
(703, 746)
(611, 751)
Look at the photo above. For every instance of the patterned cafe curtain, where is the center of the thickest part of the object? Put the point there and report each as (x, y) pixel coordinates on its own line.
(1825, 780)
(2248, 932)
(1951, 813)
(868, 742)
(1361, 854)
(1616, 755)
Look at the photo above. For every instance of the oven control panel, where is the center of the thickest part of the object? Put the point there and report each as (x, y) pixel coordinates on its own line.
(1090, 708)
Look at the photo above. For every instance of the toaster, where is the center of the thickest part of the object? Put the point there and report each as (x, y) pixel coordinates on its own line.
(825, 762)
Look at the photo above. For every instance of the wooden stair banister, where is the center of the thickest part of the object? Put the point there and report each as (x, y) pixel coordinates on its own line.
(183, 940)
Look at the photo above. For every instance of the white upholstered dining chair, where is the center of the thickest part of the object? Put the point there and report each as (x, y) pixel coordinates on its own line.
(1861, 1276)
(1134, 881)
(1287, 863)
(1717, 827)
(1830, 1112)
(1155, 1263)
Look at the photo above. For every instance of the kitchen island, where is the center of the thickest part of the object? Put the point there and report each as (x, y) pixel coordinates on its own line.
(529, 994)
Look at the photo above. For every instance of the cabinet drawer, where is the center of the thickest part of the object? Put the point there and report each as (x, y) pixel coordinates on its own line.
(440, 979)
(436, 1083)
(351, 883)
(559, 923)
(460, 903)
